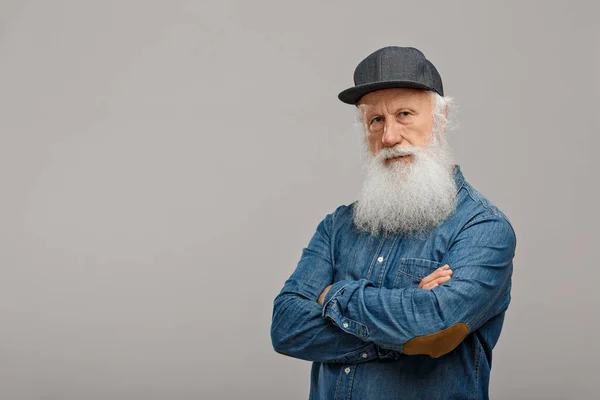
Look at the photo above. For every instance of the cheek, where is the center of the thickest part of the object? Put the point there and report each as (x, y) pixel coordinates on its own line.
(424, 134)
(375, 143)
(423, 139)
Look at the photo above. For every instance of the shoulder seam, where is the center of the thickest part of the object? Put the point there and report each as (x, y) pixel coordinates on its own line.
(485, 204)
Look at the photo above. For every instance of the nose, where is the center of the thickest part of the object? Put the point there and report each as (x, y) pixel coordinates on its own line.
(392, 134)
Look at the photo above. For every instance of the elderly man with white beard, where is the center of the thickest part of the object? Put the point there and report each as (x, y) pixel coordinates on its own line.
(401, 294)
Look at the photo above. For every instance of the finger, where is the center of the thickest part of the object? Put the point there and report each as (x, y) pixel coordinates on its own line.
(437, 282)
(443, 279)
(431, 277)
(440, 272)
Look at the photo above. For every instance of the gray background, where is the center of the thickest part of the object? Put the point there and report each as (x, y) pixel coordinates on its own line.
(163, 163)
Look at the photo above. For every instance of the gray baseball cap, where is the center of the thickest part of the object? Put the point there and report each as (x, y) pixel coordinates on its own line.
(393, 67)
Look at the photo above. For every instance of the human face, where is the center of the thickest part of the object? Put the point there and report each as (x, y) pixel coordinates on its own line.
(397, 117)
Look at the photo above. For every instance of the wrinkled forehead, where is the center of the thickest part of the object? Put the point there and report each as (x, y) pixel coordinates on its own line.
(390, 100)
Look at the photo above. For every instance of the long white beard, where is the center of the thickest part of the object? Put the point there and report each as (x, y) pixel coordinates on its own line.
(407, 198)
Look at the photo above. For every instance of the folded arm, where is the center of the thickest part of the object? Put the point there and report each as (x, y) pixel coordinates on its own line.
(433, 322)
(298, 328)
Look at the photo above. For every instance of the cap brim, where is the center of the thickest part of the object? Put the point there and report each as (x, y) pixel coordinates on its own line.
(353, 94)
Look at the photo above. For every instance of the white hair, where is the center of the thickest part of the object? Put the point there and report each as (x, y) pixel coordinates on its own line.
(443, 113)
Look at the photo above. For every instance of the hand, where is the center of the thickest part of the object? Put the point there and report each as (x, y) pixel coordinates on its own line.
(439, 276)
(321, 298)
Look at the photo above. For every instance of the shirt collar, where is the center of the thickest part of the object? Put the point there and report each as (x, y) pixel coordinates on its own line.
(459, 179)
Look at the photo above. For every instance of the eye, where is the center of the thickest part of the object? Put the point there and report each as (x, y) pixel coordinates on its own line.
(376, 120)
(404, 113)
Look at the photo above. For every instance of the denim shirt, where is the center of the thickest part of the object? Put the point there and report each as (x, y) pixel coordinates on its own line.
(377, 335)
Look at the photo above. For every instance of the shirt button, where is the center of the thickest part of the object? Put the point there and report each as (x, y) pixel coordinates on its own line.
(364, 355)
(345, 324)
(380, 259)
(347, 370)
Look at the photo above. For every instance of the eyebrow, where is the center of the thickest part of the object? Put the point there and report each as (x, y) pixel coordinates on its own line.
(371, 112)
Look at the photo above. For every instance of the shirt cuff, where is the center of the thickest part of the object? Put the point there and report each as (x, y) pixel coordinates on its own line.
(332, 310)
(367, 353)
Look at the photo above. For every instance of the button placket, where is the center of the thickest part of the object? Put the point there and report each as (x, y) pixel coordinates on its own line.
(374, 264)
(384, 260)
(344, 389)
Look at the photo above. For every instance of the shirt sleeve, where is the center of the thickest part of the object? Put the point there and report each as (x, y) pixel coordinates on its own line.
(298, 328)
(433, 322)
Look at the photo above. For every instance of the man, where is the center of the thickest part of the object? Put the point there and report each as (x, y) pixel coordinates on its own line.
(402, 294)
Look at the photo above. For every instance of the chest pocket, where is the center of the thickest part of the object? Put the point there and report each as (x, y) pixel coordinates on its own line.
(412, 270)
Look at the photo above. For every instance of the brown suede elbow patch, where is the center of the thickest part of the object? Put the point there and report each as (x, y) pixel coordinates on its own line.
(439, 343)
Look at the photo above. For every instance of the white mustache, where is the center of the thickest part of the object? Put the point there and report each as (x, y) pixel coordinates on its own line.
(398, 151)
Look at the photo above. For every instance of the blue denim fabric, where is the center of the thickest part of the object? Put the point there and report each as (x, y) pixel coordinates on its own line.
(374, 306)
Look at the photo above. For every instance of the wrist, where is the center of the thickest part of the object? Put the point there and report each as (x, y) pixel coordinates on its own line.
(321, 298)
